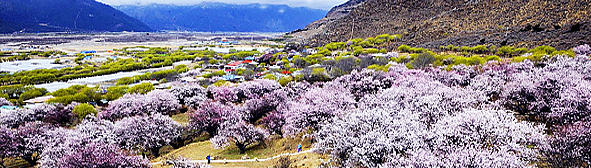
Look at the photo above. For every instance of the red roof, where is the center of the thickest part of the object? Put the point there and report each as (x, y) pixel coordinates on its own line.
(239, 62)
(234, 63)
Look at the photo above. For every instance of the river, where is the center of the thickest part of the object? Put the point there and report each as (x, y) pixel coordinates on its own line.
(99, 80)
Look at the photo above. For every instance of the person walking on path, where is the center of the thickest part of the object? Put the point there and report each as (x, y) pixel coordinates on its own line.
(208, 159)
(299, 148)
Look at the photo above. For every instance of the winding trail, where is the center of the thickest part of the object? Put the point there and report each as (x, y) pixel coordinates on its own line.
(245, 160)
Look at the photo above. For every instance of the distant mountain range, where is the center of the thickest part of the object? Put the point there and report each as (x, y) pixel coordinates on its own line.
(432, 23)
(64, 15)
(210, 16)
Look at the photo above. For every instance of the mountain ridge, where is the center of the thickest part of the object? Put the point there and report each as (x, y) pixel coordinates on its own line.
(216, 16)
(31, 16)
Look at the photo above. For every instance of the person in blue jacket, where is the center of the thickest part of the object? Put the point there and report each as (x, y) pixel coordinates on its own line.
(208, 159)
(299, 148)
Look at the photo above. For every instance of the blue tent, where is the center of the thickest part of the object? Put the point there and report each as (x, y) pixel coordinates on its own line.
(8, 107)
(228, 77)
(87, 52)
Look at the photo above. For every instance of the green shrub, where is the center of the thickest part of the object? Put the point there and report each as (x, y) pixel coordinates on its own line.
(357, 51)
(372, 51)
(492, 57)
(401, 59)
(141, 88)
(465, 49)
(518, 59)
(35, 92)
(365, 43)
(450, 47)
(324, 52)
(299, 77)
(83, 110)
(376, 67)
(408, 65)
(220, 83)
(386, 37)
(337, 72)
(418, 50)
(423, 60)
(285, 80)
(520, 51)
(404, 48)
(115, 92)
(480, 49)
(568, 53)
(475, 60)
(493, 48)
(505, 51)
(537, 57)
(371, 40)
(319, 75)
(76, 93)
(181, 68)
(163, 74)
(543, 50)
(270, 76)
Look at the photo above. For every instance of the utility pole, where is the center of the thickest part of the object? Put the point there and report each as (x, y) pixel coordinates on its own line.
(353, 26)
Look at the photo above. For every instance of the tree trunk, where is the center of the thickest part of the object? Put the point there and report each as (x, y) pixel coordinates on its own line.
(30, 160)
(155, 151)
(211, 131)
(242, 147)
(177, 143)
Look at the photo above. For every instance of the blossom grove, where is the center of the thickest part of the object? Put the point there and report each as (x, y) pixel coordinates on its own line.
(500, 114)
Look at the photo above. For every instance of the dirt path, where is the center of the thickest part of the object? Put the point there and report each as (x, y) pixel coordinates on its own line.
(245, 160)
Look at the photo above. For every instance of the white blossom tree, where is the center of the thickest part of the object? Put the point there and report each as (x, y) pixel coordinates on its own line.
(241, 134)
(191, 95)
(149, 133)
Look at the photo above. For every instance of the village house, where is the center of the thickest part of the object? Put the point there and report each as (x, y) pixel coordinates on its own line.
(36, 101)
(137, 49)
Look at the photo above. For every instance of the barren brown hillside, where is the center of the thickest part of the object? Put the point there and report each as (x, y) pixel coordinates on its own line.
(431, 23)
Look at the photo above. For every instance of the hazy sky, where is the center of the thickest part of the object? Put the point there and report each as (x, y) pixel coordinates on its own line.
(317, 4)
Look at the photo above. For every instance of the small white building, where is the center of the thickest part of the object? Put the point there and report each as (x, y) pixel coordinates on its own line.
(37, 100)
(310, 51)
(137, 49)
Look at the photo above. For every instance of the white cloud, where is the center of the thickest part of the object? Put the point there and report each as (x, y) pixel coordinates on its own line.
(316, 4)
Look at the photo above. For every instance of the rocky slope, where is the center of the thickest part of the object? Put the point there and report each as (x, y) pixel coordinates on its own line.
(32, 16)
(336, 13)
(431, 23)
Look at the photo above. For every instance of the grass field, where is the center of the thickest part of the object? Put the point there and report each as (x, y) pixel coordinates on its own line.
(181, 118)
(14, 163)
(199, 150)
